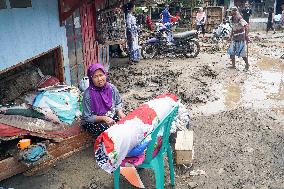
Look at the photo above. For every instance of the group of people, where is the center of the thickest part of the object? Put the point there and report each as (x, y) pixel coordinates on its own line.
(271, 19)
(132, 29)
(247, 12)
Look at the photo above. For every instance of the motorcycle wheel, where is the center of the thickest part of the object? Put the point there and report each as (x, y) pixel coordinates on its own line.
(193, 49)
(148, 51)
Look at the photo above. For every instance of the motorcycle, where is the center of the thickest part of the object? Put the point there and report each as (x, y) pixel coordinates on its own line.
(222, 31)
(164, 43)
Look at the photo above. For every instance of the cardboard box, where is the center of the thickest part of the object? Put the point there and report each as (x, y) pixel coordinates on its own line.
(184, 150)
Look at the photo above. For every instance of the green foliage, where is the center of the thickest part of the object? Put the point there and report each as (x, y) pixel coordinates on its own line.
(138, 10)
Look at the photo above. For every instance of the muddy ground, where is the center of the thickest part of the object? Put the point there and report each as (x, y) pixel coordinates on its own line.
(237, 118)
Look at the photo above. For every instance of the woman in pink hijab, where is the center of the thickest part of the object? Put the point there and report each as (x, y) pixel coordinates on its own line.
(102, 103)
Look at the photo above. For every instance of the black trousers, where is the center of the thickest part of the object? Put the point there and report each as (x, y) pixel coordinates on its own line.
(270, 25)
(202, 28)
(97, 128)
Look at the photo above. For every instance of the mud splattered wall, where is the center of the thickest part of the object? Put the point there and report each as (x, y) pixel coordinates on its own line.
(28, 32)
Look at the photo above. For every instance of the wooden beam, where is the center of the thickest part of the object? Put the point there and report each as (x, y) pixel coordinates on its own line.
(59, 65)
(10, 167)
(28, 60)
(61, 151)
(64, 15)
(57, 151)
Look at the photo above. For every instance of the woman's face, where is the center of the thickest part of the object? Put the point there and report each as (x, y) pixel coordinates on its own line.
(99, 78)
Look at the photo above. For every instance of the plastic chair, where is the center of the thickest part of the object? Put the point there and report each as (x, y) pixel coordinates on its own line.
(157, 163)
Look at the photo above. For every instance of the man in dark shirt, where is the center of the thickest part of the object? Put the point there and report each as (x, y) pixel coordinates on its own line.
(246, 12)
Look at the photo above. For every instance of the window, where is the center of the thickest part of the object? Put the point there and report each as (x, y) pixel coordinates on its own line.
(3, 4)
(20, 3)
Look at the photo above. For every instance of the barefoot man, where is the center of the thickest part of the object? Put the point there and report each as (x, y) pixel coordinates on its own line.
(238, 46)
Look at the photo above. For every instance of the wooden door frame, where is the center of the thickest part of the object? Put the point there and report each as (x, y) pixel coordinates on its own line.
(59, 66)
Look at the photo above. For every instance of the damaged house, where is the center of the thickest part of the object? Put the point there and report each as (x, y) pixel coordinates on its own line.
(44, 44)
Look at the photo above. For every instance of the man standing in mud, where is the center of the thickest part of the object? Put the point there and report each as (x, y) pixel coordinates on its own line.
(238, 37)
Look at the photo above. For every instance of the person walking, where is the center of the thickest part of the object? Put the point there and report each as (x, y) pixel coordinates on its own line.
(282, 16)
(238, 37)
(200, 20)
(270, 20)
(246, 12)
(132, 34)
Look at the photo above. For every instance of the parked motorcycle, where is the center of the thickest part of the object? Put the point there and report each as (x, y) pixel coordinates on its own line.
(184, 43)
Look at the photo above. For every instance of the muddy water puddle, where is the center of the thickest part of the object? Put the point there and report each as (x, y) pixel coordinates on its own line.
(264, 89)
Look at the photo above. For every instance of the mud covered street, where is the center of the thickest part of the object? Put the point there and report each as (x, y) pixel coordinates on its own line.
(237, 118)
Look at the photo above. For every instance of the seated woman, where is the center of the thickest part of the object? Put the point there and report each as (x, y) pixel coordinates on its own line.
(102, 103)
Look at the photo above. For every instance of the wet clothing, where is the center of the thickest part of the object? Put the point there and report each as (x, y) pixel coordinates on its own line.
(269, 26)
(132, 37)
(246, 12)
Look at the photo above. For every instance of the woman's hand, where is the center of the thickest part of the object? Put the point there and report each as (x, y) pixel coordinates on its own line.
(120, 114)
(109, 121)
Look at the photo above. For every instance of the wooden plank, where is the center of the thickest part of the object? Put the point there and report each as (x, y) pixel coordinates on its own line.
(62, 150)
(58, 154)
(115, 42)
(29, 61)
(10, 167)
(57, 151)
